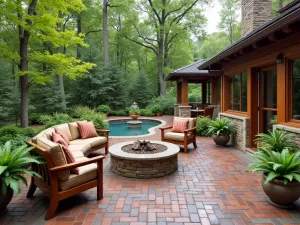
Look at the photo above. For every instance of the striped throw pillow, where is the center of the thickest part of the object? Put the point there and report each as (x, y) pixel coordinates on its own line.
(63, 136)
(57, 138)
(87, 129)
(180, 125)
(70, 158)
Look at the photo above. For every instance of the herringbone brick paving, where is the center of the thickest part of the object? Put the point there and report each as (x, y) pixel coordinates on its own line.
(212, 186)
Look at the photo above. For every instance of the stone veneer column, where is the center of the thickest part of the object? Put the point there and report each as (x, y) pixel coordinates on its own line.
(185, 111)
(254, 14)
(292, 131)
(241, 139)
(176, 110)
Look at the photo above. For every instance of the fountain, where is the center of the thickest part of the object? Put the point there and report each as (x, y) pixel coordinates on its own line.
(134, 123)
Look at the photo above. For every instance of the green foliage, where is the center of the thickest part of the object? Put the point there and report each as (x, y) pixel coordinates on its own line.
(16, 135)
(274, 120)
(202, 126)
(134, 111)
(221, 127)
(195, 93)
(14, 165)
(34, 118)
(156, 108)
(276, 6)
(283, 165)
(55, 119)
(167, 103)
(275, 140)
(120, 112)
(140, 91)
(97, 118)
(103, 109)
(146, 112)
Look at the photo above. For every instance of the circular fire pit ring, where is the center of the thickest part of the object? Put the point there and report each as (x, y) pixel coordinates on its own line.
(143, 165)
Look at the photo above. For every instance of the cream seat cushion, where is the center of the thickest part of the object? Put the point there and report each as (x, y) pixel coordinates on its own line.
(74, 130)
(57, 156)
(177, 136)
(83, 147)
(86, 173)
(94, 141)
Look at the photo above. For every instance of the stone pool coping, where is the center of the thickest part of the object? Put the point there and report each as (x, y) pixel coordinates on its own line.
(150, 130)
(116, 150)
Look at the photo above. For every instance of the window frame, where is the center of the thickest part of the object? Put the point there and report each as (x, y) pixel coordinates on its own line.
(230, 99)
(290, 90)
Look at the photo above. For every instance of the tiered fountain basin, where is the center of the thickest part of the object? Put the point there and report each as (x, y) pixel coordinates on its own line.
(136, 164)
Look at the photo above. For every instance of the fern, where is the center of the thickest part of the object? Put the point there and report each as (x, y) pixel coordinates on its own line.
(14, 165)
(221, 127)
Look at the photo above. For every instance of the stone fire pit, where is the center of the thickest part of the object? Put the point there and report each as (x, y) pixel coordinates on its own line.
(137, 164)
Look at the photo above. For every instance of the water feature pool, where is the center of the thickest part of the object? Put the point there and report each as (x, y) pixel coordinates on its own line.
(120, 127)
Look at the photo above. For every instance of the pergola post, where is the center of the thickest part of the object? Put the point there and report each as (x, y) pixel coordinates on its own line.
(185, 92)
(214, 94)
(179, 93)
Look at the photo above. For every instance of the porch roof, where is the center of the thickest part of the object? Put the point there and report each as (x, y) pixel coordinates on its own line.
(280, 27)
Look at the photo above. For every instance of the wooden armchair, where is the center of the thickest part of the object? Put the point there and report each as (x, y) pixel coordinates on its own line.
(185, 138)
(51, 184)
(208, 112)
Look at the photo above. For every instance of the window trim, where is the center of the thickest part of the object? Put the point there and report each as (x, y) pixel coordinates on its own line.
(290, 75)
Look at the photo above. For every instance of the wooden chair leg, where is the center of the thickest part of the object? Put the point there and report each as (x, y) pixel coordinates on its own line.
(106, 149)
(185, 148)
(100, 180)
(52, 208)
(195, 144)
(31, 189)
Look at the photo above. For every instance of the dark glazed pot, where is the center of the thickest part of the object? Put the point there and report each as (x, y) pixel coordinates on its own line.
(5, 200)
(221, 140)
(281, 195)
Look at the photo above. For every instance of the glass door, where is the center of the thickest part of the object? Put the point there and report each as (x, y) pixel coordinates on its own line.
(267, 98)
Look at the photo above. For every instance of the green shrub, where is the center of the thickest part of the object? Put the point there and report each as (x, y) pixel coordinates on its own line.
(156, 108)
(121, 112)
(81, 111)
(146, 112)
(29, 131)
(34, 118)
(56, 118)
(134, 111)
(202, 126)
(275, 140)
(103, 109)
(16, 135)
(166, 102)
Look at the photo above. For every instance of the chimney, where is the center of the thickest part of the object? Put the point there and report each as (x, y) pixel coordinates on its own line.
(254, 14)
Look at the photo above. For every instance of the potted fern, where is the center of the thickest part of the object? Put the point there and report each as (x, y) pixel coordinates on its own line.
(220, 130)
(13, 166)
(281, 175)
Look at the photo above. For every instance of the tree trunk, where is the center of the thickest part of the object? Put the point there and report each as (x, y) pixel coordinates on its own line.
(105, 32)
(62, 92)
(160, 63)
(281, 4)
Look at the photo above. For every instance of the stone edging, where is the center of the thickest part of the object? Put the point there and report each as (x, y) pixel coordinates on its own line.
(287, 128)
(151, 130)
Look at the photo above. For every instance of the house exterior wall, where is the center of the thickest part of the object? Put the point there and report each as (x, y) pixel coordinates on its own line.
(290, 49)
(241, 139)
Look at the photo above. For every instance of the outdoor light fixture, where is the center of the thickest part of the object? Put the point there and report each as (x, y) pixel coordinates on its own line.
(279, 58)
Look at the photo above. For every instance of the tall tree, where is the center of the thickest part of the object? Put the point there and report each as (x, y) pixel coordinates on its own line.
(105, 32)
(160, 23)
(36, 24)
(229, 14)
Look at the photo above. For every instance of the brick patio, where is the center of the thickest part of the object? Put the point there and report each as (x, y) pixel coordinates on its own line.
(211, 186)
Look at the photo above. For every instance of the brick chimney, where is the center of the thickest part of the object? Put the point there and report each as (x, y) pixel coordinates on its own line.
(254, 14)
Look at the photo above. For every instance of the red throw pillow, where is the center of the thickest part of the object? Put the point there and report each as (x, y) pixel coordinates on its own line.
(63, 136)
(180, 125)
(87, 129)
(70, 158)
(57, 138)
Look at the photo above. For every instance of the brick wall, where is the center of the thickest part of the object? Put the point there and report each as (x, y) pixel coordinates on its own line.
(185, 111)
(294, 133)
(176, 110)
(254, 14)
(241, 139)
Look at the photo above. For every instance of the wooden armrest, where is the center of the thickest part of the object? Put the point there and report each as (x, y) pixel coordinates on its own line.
(76, 164)
(36, 146)
(165, 128)
(102, 131)
(190, 130)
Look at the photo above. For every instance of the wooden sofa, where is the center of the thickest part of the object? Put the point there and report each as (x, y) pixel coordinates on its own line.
(185, 138)
(58, 182)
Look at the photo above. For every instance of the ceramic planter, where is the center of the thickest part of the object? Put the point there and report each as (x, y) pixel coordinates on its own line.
(279, 194)
(5, 200)
(158, 114)
(221, 139)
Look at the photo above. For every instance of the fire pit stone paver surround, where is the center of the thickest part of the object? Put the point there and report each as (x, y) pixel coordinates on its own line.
(144, 165)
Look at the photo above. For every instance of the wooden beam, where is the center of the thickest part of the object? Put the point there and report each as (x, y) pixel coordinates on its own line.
(179, 93)
(282, 91)
(203, 93)
(185, 92)
(214, 92)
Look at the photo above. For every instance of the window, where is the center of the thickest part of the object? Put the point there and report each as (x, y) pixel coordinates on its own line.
(296, 90)
(208, 92)
(237, 92)
(219, 84)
